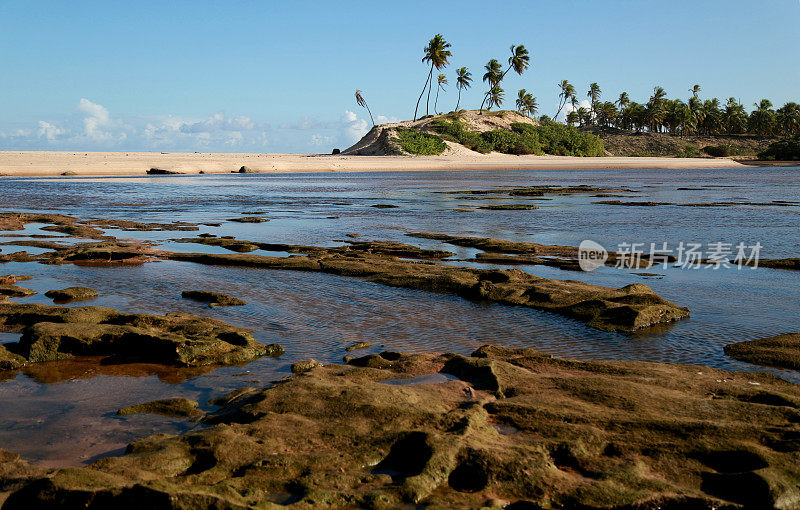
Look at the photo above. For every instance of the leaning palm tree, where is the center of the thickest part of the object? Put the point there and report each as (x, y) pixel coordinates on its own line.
(492, 76)
(441, 81)
(463, 81)
(526, 103)
(695, 90)
(567, 93)
(519, 61)
(437, 53)
(496, 95)
(363, 104)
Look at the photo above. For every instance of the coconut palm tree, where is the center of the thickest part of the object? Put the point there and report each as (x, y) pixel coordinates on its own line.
(594, 96)
(788, 119)
(519, 61)
(762, 119)
(734, 117)
(573, 118)
(526, 103)
(438, 54)
(496, 95)
(623, 101)
(695, 90)
(567, 93)
(463, 81)
(363, 104)
(441, 81)
(492, 76)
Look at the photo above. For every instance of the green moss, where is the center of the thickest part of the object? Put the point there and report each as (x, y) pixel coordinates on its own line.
(421, 144)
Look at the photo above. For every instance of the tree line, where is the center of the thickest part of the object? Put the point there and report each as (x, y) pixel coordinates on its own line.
(658, 114)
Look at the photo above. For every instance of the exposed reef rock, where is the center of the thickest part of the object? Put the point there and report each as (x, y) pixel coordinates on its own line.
(781, 351)
(249, 219)
(627, 309)
(213, 298)
(790, 263)
(172, 407)
(52, 333)
(71, 294)
(514, 427)
(539, 191)
(509, 207)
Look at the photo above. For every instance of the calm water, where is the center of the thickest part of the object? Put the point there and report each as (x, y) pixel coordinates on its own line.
(63, 413)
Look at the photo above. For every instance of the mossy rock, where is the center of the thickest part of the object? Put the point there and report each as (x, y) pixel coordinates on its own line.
(172, 407)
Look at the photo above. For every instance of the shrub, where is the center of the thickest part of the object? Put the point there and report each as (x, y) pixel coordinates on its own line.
(561, 140)
(688, 151)
(787, 149)
(720, 151)
(418, 143)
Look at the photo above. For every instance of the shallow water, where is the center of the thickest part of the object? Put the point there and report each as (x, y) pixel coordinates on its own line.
(63, 413)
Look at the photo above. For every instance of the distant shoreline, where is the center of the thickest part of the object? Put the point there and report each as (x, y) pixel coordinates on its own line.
(52, 163)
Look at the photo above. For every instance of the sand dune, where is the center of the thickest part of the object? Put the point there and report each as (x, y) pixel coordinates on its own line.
(133, 163)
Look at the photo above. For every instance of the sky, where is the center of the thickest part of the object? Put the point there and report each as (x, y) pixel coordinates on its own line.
(259, 76)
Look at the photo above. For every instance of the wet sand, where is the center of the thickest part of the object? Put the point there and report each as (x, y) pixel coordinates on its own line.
(44, 163)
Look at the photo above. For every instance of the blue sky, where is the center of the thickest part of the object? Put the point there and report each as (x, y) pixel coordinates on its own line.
(279, 76)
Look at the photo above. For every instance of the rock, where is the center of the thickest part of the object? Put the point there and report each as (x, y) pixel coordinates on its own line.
(11, 279)
(172, 407)
(213, 298)
(7, 291)
(68, 173)
(509, 207)
(516, 425)
(247, 170)
(248, 219)
(336, 151)
(53, 332)
(627, 309)
(305, 366)
(781, 351)
(161, 171)
(71, 294)
(358, 345)
(385, 206)
(9, 360)
(788, 263)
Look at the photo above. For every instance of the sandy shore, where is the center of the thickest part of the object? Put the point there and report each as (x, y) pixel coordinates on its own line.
(134, 163)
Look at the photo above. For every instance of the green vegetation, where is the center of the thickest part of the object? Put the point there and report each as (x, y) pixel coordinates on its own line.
(418, 143)
(548, 138)
(721, 151)
(787, 149)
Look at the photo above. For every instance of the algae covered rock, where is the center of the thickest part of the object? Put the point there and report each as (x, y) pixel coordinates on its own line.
(9, 360)
(305, 366)
(781, 351)
(52, 333)
(71, 294)
(504, 427)
(172, 407)
(213, 298)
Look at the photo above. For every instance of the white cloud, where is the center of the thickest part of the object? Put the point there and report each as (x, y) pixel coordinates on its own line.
(353, 127)
(49, 131)
(568, 108)
(219, 122)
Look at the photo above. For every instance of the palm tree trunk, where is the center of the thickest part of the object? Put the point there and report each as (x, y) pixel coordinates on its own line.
(436, 101)
(459, 99)
(370, 113)
(428, 100)
(430, 75)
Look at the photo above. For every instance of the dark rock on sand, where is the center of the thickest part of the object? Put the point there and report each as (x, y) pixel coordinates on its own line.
(161, 171)
(781, 351)
(71, 294)
(53, 332)
(246, 170)
(172, 407)
(516, 426)
(213, 298)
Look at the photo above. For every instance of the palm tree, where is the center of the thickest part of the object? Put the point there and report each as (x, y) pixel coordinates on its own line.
(492, 76)
(762, 120)
(594, 96)
(789, 118)
(437, 53)
(695, 90)
(623, 100)
(363, 104)
(734, 117)
(518, 61)
(573, 118)
(526, 103)
(567, 93)
(441, 81)
(463, 81)
(496, 95)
